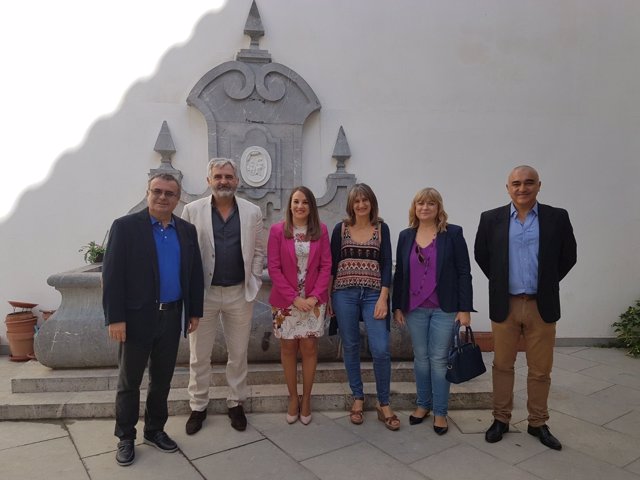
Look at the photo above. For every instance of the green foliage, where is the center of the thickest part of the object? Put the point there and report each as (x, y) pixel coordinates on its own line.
(628, 329)
(94, 252)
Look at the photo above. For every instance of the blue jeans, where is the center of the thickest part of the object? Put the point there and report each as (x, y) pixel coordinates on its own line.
(349, 305)
(431, 332)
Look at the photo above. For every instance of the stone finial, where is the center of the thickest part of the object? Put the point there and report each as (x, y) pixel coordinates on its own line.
(164, 144)
(165, 147)
(341, 151)
(253, 27)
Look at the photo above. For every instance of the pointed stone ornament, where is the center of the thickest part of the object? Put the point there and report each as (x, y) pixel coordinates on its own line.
(341, 151)
(253, 27)
(164, 144)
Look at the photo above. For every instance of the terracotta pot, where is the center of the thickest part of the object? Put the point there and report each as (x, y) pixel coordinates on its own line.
(19, 316)
(21, 346)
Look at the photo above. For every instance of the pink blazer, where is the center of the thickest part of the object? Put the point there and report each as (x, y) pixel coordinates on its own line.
(283, 267)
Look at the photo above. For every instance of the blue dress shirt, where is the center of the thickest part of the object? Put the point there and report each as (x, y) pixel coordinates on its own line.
(168, 250)
(524, 240)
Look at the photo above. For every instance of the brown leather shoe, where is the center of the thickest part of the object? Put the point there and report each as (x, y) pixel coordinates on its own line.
(194, 424)
(238, 418)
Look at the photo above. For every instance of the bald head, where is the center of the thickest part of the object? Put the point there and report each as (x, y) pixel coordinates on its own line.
(523, 186)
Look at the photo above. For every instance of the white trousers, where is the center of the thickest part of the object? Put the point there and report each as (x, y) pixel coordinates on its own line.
(226, 306)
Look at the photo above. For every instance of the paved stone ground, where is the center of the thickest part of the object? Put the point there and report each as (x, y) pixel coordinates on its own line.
(595, 403)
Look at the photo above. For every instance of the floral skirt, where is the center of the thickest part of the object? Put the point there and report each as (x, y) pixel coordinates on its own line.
(290, 323)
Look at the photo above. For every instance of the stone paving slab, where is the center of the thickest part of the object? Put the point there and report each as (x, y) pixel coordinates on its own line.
(584, 407)
(149, 464)
(619, 395)
(628, 424)
(573, 465)
(14, 434)
(616, 375)
(216, 436)
(260, 461)
(55, 459)
(327, 435)
(464, 461)
(359, 461)
(95, 437)
(593, 440)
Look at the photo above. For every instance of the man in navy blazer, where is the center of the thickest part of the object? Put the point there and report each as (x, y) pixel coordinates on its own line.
(525, 249)
(152, 290)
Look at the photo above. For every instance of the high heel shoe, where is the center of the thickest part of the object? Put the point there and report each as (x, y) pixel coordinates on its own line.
(304, 419)
(392, 422)
(291, 419)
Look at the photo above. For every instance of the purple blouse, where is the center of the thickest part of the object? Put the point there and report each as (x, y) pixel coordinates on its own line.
(422, 277)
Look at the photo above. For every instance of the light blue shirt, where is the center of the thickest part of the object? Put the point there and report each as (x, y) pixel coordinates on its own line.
(524, 241)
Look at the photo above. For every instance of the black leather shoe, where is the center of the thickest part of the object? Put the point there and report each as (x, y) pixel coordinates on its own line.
(161, 441)
(194, 424)
(494, 434)
(440, 430)
(543, 433)
(125, 453)
(418, 420)
(238, 418)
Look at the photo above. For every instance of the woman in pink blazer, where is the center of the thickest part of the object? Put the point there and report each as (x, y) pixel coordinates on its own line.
(299, 262)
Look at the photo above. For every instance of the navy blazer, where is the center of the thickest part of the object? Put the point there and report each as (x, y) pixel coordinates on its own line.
(453, 271)
(130, 278)
(556, 256)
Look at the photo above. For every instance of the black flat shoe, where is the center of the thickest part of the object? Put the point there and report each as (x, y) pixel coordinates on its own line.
(418, 420)
(440, 430)
(497, 428)
(545, 436)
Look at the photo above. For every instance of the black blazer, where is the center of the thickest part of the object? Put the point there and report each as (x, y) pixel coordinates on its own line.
(130, 278)
(453, 271)
(556, 256)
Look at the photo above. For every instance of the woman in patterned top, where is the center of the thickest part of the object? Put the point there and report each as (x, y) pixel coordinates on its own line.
(299, 263)
(361, 274)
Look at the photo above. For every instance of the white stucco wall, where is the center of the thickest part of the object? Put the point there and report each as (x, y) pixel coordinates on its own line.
(430, 93)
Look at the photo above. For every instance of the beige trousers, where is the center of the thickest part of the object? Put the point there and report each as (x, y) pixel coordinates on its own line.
(539, 337)
(224, 306)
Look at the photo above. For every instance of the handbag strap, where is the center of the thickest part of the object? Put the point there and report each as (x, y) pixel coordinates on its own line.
(468, 335)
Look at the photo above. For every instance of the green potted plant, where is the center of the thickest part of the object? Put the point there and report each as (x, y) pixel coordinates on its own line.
(94, 252)
(628, 329)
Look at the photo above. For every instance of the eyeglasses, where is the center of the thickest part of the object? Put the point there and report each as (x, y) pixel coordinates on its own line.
(156, 192)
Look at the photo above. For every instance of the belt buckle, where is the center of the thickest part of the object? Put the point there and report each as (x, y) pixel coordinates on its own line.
(163, 306)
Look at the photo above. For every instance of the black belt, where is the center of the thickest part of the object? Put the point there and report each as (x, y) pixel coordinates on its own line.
(164, 306)
(525, 296)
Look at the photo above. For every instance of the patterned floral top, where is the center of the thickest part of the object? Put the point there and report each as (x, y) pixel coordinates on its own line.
(291, 323)
(359, 264)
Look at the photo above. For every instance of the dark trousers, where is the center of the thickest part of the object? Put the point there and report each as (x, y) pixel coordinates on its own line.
(161, 353)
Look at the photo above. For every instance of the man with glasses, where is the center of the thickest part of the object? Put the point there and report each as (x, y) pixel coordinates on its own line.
(152, 290)
(525, 249)
(230, 232)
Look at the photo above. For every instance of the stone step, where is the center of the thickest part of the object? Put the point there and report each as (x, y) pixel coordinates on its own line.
(38, 392)
(269, 398)
(36, 378)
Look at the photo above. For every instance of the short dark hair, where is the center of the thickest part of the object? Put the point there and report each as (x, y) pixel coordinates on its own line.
(167, 177)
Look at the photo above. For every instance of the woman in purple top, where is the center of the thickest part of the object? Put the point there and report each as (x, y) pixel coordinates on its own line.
(431, 289)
